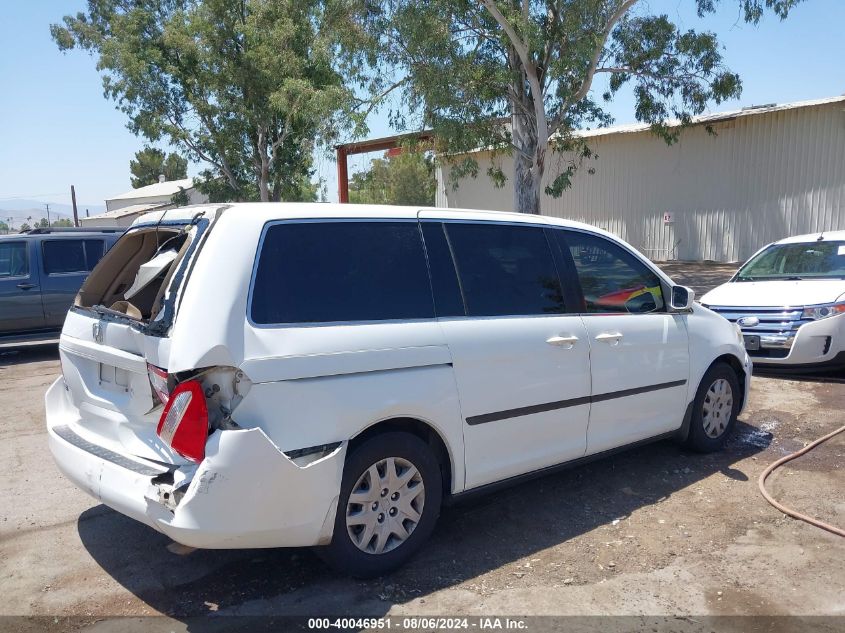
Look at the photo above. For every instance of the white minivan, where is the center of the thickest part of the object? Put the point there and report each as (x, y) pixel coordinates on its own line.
(789, 301)
(268, 375)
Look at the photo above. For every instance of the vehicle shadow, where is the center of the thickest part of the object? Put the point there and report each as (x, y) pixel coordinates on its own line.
(822, 376)
(471, 539)
(28, 353)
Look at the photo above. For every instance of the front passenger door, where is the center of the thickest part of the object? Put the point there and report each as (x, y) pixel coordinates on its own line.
(639, 354)
(20, 296)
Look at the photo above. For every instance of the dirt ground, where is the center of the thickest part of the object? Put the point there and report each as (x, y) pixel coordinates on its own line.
(656, 531)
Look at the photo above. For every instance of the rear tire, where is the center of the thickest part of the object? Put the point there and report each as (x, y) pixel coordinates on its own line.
(714, 409)
(388, 505)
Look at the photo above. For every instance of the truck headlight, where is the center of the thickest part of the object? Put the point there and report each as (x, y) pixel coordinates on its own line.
(823, 311)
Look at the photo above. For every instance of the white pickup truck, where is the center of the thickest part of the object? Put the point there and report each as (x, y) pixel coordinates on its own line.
(789, 300)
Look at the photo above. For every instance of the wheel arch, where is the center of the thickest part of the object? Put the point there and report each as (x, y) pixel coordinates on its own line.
(734, 363)
(421, 429)
(739, 369)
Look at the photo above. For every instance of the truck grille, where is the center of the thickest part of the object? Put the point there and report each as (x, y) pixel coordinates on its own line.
(776, 328)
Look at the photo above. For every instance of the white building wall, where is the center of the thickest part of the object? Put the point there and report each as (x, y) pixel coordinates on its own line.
(762, 177)
(110, 221)
(194, 197)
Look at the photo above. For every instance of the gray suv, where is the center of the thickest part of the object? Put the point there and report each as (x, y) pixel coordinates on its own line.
(41, 272)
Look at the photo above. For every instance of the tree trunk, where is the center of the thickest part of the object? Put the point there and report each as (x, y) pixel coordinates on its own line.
(527, 176)
(261, 162)
(264, 180)
(276, 195)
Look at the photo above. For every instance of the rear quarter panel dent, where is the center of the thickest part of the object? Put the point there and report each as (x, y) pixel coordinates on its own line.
(308, 412)
(244, 491)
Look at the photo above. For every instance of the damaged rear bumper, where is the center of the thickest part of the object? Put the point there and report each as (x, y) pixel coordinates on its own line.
(245, 493)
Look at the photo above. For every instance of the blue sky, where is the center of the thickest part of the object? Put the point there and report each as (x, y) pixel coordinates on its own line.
(56, 129)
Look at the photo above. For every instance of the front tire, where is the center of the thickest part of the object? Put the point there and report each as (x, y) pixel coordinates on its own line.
(388, 505)
(714, 410)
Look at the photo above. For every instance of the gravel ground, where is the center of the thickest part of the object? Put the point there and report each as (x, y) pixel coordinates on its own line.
(701, 277)
(655, 531)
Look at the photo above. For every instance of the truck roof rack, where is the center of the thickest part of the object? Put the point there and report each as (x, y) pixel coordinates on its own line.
(76, 229)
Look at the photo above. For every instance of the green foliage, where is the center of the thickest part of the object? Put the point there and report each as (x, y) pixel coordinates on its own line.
(24, 228)
(300, 189)
(64, 222)
(247, 86)
(4, 228)
(516, 76)
(303, 191)
(406, 178)
(149, 163)
(43, 223)
(181, 198)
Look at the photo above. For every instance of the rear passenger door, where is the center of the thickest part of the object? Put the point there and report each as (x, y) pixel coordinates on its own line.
(521, 362)
(20, 297)
(65, 265)
(639, 352)
(342, 332)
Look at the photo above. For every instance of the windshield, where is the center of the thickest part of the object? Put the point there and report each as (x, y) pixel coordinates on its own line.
(804, 260)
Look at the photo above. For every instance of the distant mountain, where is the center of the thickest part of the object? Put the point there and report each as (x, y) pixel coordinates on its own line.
(20, 210)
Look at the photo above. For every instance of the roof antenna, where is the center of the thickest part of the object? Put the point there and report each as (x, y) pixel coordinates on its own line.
(820, 237)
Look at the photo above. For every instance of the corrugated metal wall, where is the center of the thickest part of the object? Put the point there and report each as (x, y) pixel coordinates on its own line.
(761, 178)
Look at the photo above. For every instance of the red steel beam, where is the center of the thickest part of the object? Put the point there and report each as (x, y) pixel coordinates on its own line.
(342, 176)
(364, 147)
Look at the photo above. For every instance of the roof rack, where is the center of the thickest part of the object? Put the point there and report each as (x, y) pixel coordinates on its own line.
(75, 229)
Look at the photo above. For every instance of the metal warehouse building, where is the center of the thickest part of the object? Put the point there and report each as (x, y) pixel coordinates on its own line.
(767, 173)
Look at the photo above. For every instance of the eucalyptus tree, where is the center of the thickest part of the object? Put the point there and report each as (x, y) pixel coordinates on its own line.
(247, 87)
(518, 76)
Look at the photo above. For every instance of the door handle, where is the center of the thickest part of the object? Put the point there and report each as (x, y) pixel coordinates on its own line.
(610, 337)
(26, 286)
(563, 341)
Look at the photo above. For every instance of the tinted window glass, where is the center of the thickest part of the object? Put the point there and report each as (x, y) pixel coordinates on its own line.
(612, 279)
(444, 280)
(505, 269)
(64, 256)
(314, 272)
(93, 253)
(13, 259)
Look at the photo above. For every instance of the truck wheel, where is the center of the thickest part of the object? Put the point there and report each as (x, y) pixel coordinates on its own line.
(714, 409)
(389, 502)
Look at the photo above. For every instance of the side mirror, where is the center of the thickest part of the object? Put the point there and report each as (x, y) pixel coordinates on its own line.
(682, 298)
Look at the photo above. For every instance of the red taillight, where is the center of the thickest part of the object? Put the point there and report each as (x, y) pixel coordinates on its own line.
(184, 422)
(158, 381)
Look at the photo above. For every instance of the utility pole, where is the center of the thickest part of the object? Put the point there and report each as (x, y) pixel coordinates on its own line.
(48, 215)
(73, 199)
